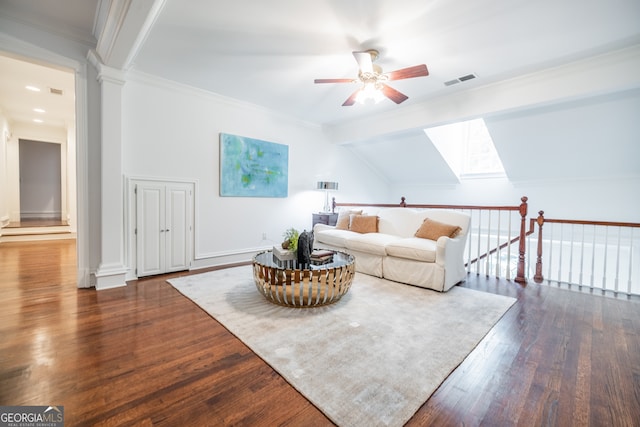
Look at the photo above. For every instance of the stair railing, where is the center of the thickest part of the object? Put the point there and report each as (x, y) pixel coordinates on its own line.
(599, 255)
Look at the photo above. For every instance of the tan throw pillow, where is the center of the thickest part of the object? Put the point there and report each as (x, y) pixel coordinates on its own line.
(344, 221)
(432, 230)
(364, 223)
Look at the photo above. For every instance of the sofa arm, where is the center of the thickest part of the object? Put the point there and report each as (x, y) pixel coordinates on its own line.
(450, 256)
(449, 251)
(320, 227)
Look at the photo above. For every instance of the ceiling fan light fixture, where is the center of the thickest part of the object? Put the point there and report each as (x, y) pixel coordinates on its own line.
(374, 87)
(369, 94)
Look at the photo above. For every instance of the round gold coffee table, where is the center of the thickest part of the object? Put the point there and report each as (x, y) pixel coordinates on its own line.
(287, 283)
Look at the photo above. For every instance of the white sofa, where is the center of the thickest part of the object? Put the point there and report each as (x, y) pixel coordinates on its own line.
(394, 253)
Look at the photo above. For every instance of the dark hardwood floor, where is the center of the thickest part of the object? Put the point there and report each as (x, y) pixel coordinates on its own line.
(145, 355)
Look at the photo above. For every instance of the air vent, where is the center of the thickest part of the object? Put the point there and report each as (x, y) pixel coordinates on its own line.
(55, 91)
(460, 79)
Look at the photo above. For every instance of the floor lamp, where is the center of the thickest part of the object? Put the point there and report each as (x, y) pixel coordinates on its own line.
(327, 186)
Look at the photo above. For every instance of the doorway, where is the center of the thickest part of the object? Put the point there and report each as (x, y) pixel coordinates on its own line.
(40, 182)
(38, 196)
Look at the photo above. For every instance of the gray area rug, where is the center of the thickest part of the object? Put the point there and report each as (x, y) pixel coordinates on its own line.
(373, 358)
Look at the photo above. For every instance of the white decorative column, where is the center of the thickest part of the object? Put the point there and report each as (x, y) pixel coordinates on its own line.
(111, 269)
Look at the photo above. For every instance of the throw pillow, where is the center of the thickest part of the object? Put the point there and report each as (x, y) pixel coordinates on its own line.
(344, 221)
(364, 223)
(432, 230)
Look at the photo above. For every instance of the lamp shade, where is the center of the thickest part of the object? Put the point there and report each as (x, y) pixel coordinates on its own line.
(327, 185)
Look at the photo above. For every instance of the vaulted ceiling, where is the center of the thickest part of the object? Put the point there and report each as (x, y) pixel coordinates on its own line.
(542, 67)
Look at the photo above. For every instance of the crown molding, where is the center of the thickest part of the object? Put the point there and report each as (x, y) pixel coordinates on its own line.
(160, 82)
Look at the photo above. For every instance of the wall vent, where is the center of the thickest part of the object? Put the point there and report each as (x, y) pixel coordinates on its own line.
(55, 91)
(460, 79)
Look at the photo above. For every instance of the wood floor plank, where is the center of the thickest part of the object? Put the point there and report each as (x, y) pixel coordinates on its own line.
(146, 355)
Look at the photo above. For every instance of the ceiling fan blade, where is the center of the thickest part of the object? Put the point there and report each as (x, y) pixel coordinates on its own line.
(333, 81)
(351, 99)
(409, 72)
(393, 94)
(365, 63)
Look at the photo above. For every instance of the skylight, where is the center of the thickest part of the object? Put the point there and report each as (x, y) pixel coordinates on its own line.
(467, 148)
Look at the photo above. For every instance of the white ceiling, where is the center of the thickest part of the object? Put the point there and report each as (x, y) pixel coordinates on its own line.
(18, 103)
(269, 52)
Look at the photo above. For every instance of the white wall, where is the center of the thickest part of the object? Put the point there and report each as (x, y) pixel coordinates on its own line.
(601, 199)
(172, 132)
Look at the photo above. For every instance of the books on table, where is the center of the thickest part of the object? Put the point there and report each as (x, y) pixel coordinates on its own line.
(321, 256)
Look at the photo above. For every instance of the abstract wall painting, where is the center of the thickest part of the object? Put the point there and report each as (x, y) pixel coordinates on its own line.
(253, 168)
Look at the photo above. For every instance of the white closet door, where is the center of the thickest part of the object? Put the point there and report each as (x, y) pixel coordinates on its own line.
(163, 227)
(150, 220)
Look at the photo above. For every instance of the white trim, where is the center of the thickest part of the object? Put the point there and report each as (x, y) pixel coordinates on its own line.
(226, 258)
(110, 276)
(82, 179)
(123, 27)
(231, 253)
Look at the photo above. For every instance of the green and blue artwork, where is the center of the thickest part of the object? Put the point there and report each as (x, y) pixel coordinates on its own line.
(253, 168)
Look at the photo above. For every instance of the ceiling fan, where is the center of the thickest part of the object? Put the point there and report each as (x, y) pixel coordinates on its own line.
(374, 80)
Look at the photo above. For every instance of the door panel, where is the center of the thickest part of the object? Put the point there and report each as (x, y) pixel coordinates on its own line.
(177, 228)
(150, 217)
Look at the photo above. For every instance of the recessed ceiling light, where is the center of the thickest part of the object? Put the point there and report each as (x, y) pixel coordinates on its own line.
(39, 110)
(37, 120)
(32, 88)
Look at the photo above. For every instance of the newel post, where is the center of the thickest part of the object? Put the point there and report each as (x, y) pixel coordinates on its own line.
(520, 278)
(538, 278)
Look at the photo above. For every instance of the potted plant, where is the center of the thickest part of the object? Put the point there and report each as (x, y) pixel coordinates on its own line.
(290, 239)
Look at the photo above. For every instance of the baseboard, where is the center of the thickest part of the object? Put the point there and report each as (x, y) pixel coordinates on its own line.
(48, 216)
(36, 237)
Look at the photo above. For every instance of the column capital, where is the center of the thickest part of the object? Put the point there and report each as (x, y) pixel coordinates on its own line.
(106, 73)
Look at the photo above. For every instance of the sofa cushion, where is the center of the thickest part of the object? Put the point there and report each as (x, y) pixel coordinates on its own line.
(460, 219)
(344, 221)
(334, 237)
(371, 243)
(415, 248)
(400, 222)
(364, 223)
(432, 229)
